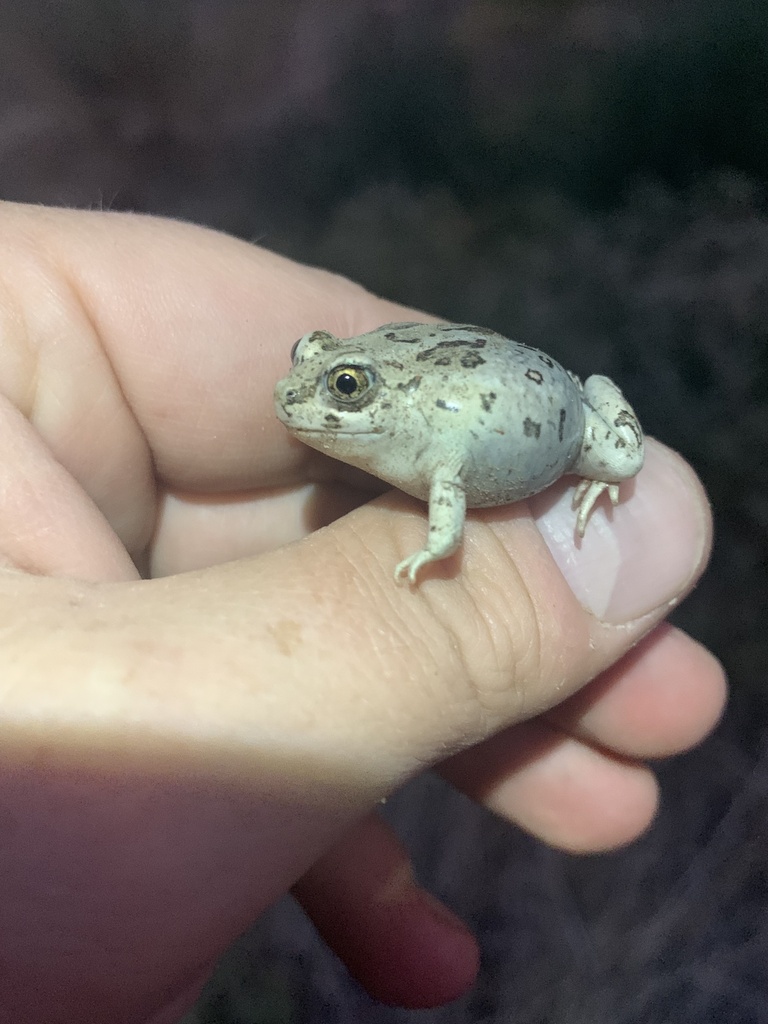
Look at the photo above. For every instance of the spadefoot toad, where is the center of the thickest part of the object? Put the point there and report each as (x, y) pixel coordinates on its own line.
(460, 417)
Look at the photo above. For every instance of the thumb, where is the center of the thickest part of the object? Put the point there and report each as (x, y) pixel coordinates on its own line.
(311, 667)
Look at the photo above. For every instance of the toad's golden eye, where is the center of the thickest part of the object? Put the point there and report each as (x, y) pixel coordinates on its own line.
(349, 383)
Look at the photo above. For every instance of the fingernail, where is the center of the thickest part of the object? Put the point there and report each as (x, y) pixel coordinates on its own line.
(640, 555)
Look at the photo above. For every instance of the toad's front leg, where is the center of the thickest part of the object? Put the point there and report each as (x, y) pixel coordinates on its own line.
(447, 512)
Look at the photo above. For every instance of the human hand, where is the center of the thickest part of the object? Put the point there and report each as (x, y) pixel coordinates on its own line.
(178, 752)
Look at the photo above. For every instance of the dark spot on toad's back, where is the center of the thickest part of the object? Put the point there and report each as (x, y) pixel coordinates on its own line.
(561, 425)
(488, 400)
(626, 419)
(546, 360)
(429, 352)
(535, 376)
(456, 343)
(448, 406)
(332, 420)
(409, 385)
(443, 361)
(531, 428)
(471, 360)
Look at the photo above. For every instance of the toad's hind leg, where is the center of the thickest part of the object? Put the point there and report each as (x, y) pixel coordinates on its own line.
(612, 449)
(585, 496)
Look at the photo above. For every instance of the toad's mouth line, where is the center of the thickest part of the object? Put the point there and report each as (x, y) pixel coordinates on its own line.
(331, 432)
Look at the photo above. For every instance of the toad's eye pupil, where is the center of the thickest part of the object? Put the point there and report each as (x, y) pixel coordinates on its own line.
(347, 384)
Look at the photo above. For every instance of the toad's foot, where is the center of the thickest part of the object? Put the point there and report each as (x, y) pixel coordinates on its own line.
(585, 496)
(409, 567)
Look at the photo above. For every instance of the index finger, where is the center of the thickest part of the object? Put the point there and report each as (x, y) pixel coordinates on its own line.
(162, 333)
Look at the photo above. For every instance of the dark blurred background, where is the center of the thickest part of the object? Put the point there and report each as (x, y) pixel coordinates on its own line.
(588, 177)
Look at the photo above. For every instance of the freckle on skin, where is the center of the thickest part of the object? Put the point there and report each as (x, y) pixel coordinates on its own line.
(287, 635)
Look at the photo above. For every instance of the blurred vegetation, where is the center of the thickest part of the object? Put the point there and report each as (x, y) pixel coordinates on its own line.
(246, 994)
(301, 105)
(684, 96)
(690, 98)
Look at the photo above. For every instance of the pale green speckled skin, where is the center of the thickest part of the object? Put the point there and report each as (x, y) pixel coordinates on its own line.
(458, 416)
